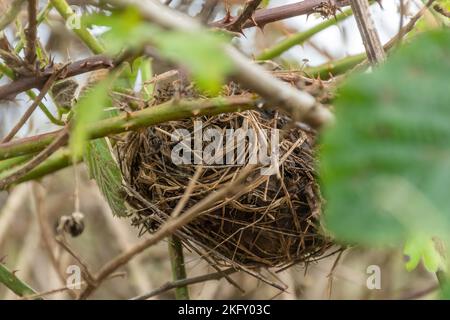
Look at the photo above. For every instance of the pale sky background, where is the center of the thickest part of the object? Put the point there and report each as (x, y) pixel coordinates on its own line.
(340, 41)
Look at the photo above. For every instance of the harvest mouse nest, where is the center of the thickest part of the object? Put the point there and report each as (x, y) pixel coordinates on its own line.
(269, 220)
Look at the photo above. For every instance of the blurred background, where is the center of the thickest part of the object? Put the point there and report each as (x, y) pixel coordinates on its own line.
(32, 207)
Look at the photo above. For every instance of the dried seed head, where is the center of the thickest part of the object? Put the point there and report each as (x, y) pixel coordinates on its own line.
(73, 224)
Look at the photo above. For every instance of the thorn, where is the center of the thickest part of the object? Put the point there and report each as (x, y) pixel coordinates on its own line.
(380, 4)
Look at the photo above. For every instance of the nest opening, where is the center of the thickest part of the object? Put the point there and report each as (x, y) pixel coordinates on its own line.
(272, 221)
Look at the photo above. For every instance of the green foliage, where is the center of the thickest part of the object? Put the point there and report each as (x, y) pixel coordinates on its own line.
(10, 280)
(385, 165)
(106, 172)
(88, 109)
(421, 247)
(201, 52)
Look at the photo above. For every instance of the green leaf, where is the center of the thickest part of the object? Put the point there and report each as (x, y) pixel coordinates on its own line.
(419, 247)
(106, 172)
(202, 53)
(124, 28)
(145, 67)
(385, 165)
(88, 110)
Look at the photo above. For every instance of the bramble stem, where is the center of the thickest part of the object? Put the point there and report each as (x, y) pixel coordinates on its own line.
(301, 37)
(88, 39)
(168, 111)
(13, 283)
(178, 267)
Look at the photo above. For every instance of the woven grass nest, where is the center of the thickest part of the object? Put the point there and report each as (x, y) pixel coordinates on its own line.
(273, 221)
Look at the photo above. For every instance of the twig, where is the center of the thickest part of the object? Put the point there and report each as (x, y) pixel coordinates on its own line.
(176, 284)
(186, 195)
(44, 154)
(13, 283)
(169, 228)
(38, 81)
(441, 10)
(247, 13)
(87, 273)
(11, 14)
(31, 33)
(301, 105)
(67, 288)
(46, 232)
(369, 35)
(408, 27)
(178, 266)
(48, 84)
(337, 67)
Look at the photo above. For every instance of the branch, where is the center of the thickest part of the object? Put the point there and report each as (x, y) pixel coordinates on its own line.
(247, 13)
(301, 105)
(78, 67)
(180, 283)
(264, 16)
(33, 106)
(341, 66)
(369, 35)
(439, 9)
(31, 33)
(168, 111)
(60, 140)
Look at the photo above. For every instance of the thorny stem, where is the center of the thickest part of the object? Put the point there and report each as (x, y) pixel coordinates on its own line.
(88, 39)
(301, 37)
(333, 68)
(247, 13)
(178, 267)
(264, 16)
(60, 160)
(33, 107)
(60, 140)
(168, 111)
(9, 279)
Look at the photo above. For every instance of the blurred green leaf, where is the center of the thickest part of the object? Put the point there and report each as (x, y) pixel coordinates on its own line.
(88, 110)
(105, 170)
(144, 66)
(385, 165)
(201, 52)
(419, 247)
